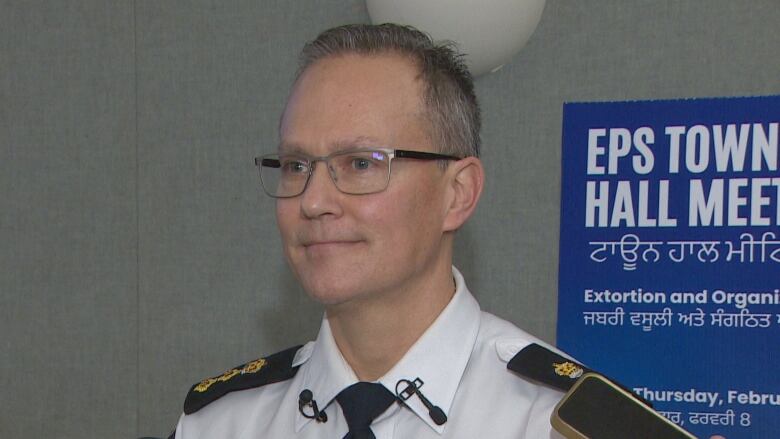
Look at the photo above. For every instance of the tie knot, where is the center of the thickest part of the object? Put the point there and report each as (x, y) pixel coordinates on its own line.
(361, 403)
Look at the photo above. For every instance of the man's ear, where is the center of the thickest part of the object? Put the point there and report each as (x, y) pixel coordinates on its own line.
(467, 177)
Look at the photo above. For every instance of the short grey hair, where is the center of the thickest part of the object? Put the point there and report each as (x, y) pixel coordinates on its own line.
(448, 89)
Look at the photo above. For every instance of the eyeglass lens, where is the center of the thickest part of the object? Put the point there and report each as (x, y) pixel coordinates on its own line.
(353, 172)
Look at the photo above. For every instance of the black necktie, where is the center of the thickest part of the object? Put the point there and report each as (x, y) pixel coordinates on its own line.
(361, 403)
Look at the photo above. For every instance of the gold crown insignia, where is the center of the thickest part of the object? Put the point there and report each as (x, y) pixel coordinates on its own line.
(568, 369)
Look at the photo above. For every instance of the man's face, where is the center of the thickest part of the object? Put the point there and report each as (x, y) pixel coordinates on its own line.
(354, 247)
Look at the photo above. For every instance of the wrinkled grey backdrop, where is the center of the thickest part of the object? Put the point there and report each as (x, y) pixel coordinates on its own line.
(136, 252)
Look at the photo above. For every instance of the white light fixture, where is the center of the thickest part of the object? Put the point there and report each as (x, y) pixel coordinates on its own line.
(489, 32)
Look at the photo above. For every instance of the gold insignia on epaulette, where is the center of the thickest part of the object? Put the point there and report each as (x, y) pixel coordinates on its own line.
(568, 369)
(228, 375)
(251, 367)
(205, 384)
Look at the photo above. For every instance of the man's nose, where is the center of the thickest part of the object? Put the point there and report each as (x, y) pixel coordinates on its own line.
(321, 196)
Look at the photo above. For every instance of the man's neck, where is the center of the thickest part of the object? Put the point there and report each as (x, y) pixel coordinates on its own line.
(375, 333)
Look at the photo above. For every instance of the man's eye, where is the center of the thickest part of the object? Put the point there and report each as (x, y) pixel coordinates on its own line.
(294, 167)
(361, 164)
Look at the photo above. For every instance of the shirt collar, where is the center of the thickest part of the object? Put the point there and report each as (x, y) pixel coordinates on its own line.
(438, 358)
(326, 372)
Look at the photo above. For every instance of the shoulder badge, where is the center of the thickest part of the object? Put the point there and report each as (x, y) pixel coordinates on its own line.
(541, 364)
(272, 369)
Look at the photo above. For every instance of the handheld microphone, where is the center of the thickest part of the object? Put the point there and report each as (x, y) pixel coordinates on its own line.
(413, 388)
(306, 399)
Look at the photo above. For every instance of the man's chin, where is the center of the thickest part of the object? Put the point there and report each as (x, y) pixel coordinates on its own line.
(330, 299)
(333, 293)
(331, 281)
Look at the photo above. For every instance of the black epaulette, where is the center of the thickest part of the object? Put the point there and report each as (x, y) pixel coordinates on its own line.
(543, 365)
(272, 369)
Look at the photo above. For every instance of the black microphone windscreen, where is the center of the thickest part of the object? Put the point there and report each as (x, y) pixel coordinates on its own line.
(306, 396)
(437, 415)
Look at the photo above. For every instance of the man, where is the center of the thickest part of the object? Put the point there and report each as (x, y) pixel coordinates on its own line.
(376, 170)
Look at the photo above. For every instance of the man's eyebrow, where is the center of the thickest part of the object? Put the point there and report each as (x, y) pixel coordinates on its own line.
(360, 141)
(341, 145)
(291, 148)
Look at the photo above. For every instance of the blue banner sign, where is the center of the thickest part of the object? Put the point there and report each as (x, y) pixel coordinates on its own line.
(670, 256)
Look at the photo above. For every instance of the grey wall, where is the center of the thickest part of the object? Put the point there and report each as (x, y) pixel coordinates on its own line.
(137, 254)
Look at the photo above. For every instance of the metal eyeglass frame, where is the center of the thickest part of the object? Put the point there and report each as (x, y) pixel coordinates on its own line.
(311, 160)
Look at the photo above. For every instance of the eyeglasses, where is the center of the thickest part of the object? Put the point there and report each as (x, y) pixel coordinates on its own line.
(355, 172)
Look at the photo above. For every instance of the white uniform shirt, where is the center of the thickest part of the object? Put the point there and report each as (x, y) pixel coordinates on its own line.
(461, 360)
